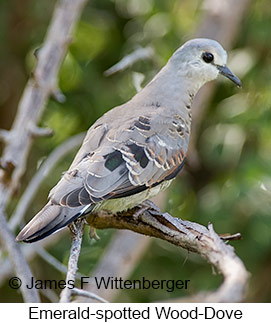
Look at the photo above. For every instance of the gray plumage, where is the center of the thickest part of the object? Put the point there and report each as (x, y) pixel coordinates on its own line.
(136, 149)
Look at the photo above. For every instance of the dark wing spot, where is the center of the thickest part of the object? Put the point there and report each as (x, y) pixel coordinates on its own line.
(141, 188)
(143, 123)
(139, 154)
(113, 160)
(71, 199)
(180, 130)
(64, 200)
(144, 120)
(84, 197)
(142, 126)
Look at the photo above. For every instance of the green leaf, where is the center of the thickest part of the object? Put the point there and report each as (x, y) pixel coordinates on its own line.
(89, 41)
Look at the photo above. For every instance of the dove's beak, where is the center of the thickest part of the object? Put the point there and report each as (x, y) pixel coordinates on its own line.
(224, 70)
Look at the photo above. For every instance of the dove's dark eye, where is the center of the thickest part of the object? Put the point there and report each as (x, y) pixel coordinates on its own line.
(207, 57)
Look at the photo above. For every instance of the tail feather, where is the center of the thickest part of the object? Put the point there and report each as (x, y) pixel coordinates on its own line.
(49, 220)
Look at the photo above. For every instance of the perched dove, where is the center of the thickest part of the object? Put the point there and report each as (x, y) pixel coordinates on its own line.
(135, 150)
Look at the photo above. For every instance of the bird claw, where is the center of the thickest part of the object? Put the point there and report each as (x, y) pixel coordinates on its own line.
(93, 234)
(151, 205)
(147, 205)
(73, 228)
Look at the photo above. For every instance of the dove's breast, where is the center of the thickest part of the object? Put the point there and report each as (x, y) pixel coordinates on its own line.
(126, 203)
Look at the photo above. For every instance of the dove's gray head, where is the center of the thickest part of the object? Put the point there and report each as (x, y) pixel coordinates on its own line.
(201, 60)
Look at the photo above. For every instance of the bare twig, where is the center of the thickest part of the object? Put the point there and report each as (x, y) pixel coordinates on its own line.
(21, 267)
(191, 236)
(230, 237)
(58, 95)
(39, 88)
(128, 60)
(118, 260)
(4, 136)
(19, 139)
(138, 78)
(40, 132)
(7, 267)
(77, 233)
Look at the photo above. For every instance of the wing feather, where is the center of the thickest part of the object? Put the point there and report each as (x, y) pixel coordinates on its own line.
(139, 154)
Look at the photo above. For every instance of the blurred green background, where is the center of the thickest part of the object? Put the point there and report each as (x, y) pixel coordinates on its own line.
(230, 188)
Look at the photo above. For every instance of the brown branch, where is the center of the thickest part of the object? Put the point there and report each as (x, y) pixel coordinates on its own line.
(130, 59)
(190, 236)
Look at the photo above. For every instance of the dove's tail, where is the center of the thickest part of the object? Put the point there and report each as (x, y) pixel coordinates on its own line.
(50, 219)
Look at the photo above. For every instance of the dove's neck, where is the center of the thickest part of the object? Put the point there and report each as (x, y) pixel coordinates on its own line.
(170, 88)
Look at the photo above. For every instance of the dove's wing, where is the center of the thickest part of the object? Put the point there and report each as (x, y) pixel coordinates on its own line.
(114, 162)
